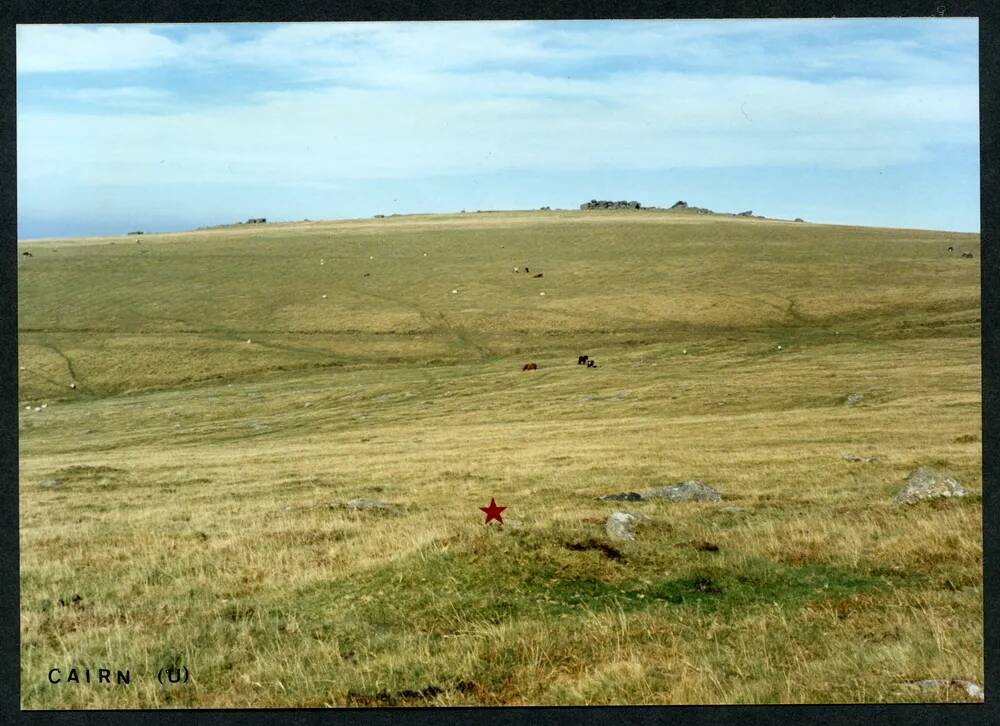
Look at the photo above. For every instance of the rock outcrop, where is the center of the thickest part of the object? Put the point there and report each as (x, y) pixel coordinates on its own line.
(603, 204)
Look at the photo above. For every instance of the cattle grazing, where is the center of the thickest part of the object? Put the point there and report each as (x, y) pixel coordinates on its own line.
(367, 274)
(538, 275)
(526, 269)
(530, 367)
(967, 255)
(582, 359)
(591, 363)
(27, 254)
(515, 269)
(951, 249)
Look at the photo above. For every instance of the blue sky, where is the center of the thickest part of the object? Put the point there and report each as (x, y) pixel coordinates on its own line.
(169, 127)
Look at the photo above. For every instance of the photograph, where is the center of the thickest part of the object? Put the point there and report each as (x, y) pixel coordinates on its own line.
(494, 363)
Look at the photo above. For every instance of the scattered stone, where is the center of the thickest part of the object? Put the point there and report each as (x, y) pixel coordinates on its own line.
(855, 398)
(620, 395)
(679, 205)
(693, 490)
(928, 483)
(935, 684)
(367, 505)
(853, 458)
(621, 525)
(622, 497)
(732, 509)
(51, 482)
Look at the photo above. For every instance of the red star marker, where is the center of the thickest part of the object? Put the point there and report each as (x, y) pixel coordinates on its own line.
(493, 511)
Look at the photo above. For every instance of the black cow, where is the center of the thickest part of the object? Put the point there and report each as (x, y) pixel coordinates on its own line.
(581, 360)
(967, 255)
(951, 249)
(538, 275)
(526, 269)
(27, 254)
(591, 363)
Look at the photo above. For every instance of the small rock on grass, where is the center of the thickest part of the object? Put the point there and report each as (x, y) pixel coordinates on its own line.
(621, 525)
(928, 483)
(693, 490)
(359, 505)
(853, 458)
(622, 497)
(855, 398)
(935, 684)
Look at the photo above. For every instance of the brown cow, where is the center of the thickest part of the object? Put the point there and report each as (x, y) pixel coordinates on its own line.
(530, 367)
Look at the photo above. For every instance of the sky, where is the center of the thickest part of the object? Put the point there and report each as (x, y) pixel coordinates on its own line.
(171, 127)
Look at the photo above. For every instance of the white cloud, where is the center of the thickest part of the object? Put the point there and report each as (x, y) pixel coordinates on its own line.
(456, 124)
(61, 48)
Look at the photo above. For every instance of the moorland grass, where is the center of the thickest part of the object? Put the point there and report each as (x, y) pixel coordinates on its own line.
(198, 511)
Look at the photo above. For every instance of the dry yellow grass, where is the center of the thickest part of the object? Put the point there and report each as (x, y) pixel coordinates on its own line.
(197, 471)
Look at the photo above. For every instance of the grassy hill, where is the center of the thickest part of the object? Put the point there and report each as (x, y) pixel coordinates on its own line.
(224, 409)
